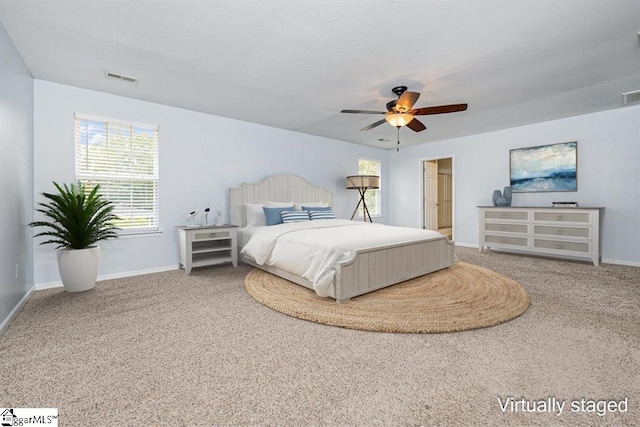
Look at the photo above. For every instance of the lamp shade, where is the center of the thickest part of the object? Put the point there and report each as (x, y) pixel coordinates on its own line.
(398, 119)
(363, 181)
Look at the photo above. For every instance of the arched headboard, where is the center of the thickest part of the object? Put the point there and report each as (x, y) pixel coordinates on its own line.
(275, 188)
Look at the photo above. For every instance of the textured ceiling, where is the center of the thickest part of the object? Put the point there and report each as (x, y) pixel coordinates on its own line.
(295, 64)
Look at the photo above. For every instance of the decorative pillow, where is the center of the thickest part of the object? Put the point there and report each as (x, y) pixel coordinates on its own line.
(298, 206)
(324, 214)
(255, 215)
(294, 216)
(273, 214)
(316, 208)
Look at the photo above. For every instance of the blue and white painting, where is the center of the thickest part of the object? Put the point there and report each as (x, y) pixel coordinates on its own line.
(545, 168)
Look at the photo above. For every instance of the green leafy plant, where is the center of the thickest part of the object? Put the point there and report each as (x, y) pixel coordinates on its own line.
(79, 218)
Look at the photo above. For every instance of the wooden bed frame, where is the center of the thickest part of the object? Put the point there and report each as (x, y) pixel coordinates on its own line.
(370, 268)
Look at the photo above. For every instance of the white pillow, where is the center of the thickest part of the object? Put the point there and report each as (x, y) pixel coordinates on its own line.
(278, 204)
(255, 215)
(298, 206)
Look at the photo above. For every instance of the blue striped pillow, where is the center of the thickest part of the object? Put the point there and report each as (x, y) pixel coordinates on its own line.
(325, 214)
(294, 216)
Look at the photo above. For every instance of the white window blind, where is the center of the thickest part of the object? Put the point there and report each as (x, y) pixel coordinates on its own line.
(123, 158)
(371, 197)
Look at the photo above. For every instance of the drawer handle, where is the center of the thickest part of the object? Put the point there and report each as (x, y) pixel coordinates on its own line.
(503, 216)
(213, 234)
(559, 217)
(559, 246)
(559, 232)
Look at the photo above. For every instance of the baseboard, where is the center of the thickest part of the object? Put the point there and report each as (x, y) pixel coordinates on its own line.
(619, 262)
(58, 284)
(16, 310)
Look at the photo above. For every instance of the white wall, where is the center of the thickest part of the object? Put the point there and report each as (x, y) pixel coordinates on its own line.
(16, 164)
(201, 157)
(608, 175)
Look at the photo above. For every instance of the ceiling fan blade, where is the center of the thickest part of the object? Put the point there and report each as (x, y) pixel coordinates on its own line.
(363, 112)
(439, 109)
(373, 125)
(416, 125)
(406, 101)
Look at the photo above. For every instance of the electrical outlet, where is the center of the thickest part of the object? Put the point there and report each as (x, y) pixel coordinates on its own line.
(17, 271)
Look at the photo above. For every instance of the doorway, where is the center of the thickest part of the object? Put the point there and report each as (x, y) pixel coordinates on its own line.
(437, 190)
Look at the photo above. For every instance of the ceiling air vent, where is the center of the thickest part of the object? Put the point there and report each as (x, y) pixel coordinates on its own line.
(631, 97)
(122, 77)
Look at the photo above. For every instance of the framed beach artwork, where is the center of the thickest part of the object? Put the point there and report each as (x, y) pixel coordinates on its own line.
(552, 167)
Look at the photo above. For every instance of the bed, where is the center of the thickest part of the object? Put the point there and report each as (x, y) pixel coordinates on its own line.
(353, 264)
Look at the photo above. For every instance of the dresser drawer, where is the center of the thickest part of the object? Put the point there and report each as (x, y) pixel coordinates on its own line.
(506, 240)
(580, 217)
(548, 230)
(559, 245)
(211, 235)
(507, 228)
(507, 214)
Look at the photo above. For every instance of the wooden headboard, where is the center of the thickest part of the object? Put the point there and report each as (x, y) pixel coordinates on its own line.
(275, 188)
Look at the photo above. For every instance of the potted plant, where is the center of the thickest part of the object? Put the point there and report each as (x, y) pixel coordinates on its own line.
(78, 219)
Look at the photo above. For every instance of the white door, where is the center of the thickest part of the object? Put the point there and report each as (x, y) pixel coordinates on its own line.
(430, 173)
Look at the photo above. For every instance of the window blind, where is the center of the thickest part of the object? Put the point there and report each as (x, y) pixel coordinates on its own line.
(123, 158)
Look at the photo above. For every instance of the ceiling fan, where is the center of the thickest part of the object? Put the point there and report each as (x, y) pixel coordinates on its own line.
(400, 112)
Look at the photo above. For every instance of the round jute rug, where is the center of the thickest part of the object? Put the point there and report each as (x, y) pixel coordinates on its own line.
(458, 298)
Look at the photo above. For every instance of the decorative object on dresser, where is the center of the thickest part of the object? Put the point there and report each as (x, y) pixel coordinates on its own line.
(564, 204)
(362, 183)
(552, 167)
(502, 199)
(566, 233)
(207, 245)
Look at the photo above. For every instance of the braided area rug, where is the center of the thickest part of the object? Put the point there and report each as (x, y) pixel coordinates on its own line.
(458, 298)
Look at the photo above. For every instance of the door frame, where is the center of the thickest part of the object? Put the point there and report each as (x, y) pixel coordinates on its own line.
(453, 190)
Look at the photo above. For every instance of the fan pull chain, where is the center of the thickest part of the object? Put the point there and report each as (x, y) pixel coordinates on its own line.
(398, 146)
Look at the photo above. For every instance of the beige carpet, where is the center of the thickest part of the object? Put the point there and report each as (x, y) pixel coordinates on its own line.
(458, 298)
(170, 349)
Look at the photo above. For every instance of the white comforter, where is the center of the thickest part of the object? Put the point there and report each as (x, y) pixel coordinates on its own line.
(311, 249)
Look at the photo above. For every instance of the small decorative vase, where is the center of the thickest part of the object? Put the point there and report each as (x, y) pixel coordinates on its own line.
(496, 195)
(501, 202)
(507, 195)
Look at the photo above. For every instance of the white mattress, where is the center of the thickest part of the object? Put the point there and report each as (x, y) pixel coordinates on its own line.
(311, 249)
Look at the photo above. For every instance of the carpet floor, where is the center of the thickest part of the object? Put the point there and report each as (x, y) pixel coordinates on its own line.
(167, 349)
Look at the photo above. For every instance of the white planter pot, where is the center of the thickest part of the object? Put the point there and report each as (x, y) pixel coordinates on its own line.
(79, 268)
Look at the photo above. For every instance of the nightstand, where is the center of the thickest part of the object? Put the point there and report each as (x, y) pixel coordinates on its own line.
(207, 245)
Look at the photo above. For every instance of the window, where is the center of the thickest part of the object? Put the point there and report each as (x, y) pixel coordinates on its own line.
(371, 197)
(123, 158)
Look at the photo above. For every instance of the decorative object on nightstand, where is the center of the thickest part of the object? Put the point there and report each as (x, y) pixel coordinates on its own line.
(191, 219)
(207, 245)
(362, 183)
(219, 212)
(206, 215)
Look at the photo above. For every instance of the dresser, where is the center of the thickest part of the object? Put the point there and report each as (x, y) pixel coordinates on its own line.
(559, 232)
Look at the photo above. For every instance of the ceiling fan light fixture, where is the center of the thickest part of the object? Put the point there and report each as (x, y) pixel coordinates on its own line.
(398, 119)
